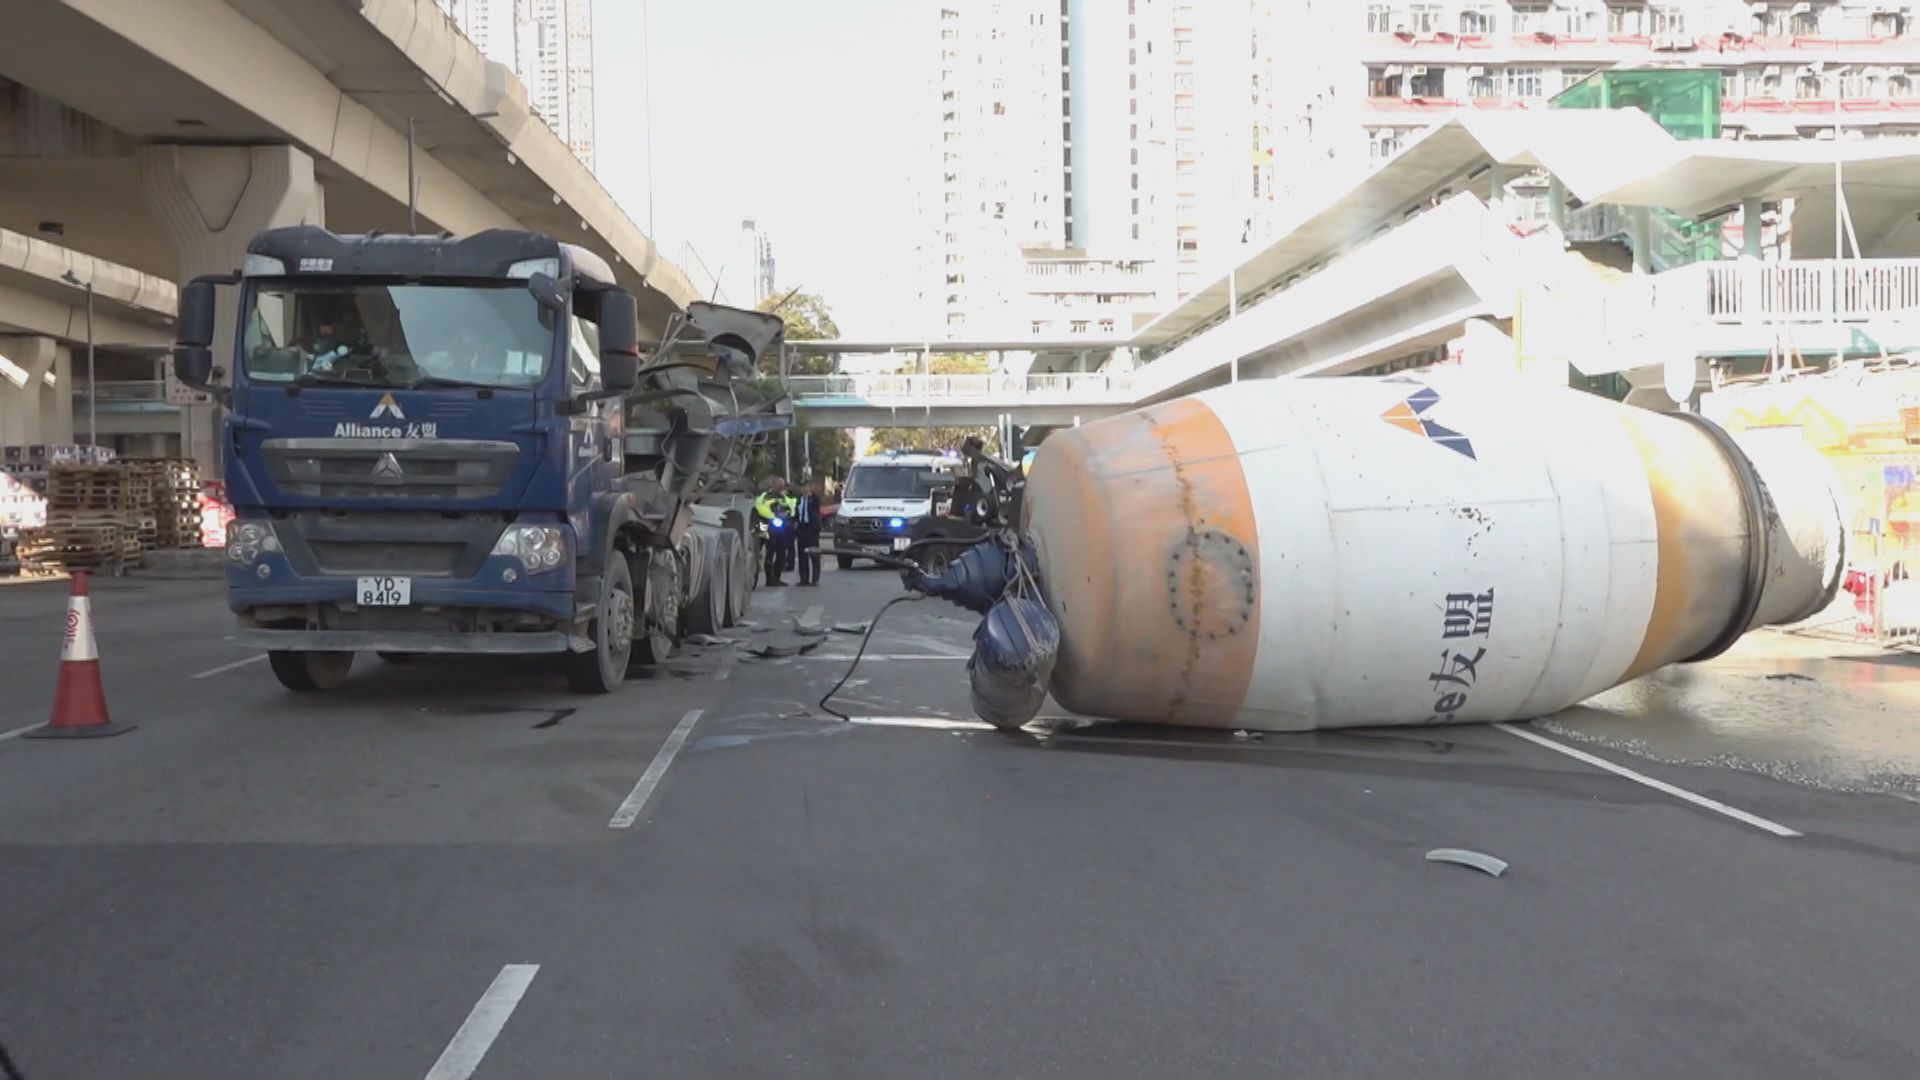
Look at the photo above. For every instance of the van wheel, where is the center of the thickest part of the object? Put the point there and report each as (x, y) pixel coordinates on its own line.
(601, 669)
(309, 672)
(845, 562)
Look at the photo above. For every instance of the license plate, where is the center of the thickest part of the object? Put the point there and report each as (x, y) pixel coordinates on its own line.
(900, 543)
(385, 591)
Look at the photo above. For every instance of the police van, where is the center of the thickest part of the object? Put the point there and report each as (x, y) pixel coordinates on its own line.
(886, 495)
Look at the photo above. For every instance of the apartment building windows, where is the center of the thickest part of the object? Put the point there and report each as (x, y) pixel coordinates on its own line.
(1570, 76)
(1426, 18)
(1477, 19)
(1525, 83)
(1529, 18)
(1667, 21)
(1383, 81)
(1767, 21)
(1900, 86)
(1482, 83)
(1183, 82)
(1809, 85)
(1627, 20)
(1886, 24)
(1764, 83)
(1183, 116)
(1426, 82)
(1383, 143)
(1380, 19)
(1804, 23)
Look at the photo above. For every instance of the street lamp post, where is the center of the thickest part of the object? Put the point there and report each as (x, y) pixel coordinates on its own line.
(93, 429)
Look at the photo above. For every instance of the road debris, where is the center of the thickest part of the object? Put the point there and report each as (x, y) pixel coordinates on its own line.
(775, 652)
(1486, 864)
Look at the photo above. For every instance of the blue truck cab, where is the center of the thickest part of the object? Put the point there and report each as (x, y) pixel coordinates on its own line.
(426, 451)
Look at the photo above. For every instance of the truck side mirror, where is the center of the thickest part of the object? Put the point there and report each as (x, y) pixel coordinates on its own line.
(193, 332)
(619, 341)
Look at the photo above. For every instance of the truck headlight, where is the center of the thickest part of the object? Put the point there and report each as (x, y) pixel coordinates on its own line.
(247, 540)
(538, 547)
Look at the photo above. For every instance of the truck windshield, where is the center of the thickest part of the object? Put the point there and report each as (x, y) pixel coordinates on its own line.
(397, 335)
(895, 481)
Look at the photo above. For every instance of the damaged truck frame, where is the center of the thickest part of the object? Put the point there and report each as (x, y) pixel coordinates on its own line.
(441, 445)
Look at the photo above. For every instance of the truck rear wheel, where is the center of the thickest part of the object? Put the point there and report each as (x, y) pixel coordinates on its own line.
(845, 562)
(739, 583)
(660, 618)
(706, 611)
(601, 669)
(309, 672)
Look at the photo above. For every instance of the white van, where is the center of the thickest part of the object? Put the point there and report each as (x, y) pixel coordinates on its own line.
(885, 495)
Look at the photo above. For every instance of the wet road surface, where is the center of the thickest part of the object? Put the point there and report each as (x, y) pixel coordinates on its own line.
(418, 874)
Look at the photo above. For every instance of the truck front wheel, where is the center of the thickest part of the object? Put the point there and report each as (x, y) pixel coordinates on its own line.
(601, 669)
(845, 562)
(309, 672)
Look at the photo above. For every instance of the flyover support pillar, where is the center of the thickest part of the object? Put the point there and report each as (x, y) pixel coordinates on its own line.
(212, 200)
(31, 409)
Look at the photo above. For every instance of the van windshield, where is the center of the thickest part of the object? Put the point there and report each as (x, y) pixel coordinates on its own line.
(895, 481)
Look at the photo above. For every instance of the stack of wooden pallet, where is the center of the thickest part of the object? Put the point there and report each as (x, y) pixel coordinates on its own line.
(175, 484)
(98, 517)
(54, 549)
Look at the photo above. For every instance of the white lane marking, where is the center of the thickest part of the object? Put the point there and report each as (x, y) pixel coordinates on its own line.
(211, 672)
(1683, 794)
(483, 1025)
(629, 811)
(1895, 794)
(879, 656)
(5, 735)
(933, 722)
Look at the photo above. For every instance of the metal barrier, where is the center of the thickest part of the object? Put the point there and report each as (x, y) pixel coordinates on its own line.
(1051, 388)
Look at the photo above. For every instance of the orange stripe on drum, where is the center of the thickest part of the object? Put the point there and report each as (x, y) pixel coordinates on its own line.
(1150, 552)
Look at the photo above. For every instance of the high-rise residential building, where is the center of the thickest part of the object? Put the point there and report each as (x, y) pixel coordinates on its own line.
(1192, 131)
(755, 259)
(1788, 70)
(1050, 144)
(549, 45)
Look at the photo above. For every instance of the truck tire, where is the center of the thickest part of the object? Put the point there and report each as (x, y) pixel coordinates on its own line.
(739, 584)
(935, 561)
(601, 669)
(309, 672)
(845, 562)
(706, 611)
(659, 618)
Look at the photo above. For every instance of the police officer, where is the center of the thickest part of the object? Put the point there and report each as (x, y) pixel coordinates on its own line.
(774, 508)
(806, 529)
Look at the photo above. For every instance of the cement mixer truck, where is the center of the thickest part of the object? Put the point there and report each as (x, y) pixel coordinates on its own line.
(459, 445)
(1290, 555)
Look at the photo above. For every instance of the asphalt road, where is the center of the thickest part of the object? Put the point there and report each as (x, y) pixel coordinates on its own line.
(419, 871)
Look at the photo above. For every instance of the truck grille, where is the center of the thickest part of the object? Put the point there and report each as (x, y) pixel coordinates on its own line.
(413, 543)
(390, 468)
(868, 529)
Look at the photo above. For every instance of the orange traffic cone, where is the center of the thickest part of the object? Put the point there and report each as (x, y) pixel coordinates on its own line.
(79, 701)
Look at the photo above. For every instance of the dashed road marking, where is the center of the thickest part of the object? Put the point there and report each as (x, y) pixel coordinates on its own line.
(5, 735)
(475, 1037)
(211, 672)
(629, 811)
(1683, 794)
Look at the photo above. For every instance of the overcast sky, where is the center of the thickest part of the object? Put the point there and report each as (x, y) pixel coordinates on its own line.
(795, 113)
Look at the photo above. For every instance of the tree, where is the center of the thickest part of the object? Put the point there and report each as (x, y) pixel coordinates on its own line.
(807, 318)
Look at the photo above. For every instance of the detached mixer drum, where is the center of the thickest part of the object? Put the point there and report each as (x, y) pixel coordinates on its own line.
(1300, 554)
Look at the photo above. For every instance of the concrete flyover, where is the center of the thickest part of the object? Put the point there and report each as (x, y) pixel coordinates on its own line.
(161, 135)
(1044, 400)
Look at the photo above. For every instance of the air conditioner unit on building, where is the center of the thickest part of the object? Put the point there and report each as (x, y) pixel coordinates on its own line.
(1672, 43)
